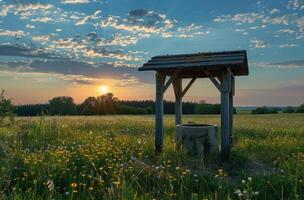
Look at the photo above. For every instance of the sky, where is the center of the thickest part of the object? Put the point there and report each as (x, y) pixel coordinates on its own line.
(73, 47)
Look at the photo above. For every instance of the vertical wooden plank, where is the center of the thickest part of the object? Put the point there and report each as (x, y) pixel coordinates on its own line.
(177, 86)
(159, 109)
(231, 94)
(225, 116)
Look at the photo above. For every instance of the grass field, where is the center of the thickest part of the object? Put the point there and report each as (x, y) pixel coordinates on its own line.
(112, 157)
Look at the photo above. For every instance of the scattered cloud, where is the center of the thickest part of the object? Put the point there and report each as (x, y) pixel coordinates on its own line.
(286, 31)
(18, 33)
(42, 19)
(288, 45)
(30, 26)
(283, 65)
(87, 18)
(295, 5)
(25, 51)
(140, 20)
(259, 44)
(75, 1)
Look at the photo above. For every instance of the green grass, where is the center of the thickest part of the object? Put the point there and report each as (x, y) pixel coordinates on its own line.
(112, 157)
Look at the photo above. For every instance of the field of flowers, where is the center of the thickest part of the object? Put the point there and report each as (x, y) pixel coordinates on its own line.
(112, 157)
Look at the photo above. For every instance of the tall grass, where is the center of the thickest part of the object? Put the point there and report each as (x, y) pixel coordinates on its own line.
(112, 157)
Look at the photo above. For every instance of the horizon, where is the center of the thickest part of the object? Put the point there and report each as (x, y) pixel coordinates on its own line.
(88, 48)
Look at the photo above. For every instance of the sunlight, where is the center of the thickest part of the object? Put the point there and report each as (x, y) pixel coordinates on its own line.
(103, 89)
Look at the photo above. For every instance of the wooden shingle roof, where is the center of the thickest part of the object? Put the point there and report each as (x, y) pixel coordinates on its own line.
(200, 64)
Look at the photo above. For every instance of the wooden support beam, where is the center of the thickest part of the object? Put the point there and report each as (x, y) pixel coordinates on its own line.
(216, 83)
(231, 94)
(188, 86)
(171, 79)
(177, 86)
(225, 115)
(159, 109)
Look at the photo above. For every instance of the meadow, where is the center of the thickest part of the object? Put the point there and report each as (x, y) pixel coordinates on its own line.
(112, 157)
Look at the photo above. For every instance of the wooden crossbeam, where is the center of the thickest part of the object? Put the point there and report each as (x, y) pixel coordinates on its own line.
(188, 86)
(168, 83)
(216, 83)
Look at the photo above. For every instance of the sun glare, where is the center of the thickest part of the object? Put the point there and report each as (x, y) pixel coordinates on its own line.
(103, 89)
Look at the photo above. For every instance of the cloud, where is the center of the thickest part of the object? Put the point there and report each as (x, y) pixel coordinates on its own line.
(286, 31)
(283, 65)
(140, 20)
(24, 51)
(295, 5)
(21, 7)
(79, 72)
(259, 44)
(75, 1)
(288, 45)
(30, 26)
(42, 19)
(10, 33)
(87, 18)
(43, 38)
(4, 9)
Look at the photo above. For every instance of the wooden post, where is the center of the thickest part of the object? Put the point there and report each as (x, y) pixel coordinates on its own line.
(159, 107)
(231, 94)
(177, 86)
(225, 115)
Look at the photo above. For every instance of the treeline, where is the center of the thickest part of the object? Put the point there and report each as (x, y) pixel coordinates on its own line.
(273, 110)
(108, 104)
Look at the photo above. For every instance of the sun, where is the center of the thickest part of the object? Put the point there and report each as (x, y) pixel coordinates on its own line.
(103, 89)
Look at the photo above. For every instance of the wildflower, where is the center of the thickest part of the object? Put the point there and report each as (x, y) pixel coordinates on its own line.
(50, 185)
(249, 179)
(91, 188)
(73, 185)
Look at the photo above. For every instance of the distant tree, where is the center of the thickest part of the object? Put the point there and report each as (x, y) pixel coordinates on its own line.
(6, 108)
(289, 109)
(107, 104)
(300, 109)
(264, 110)
(62, 106)
(32, 109)
(89, 106)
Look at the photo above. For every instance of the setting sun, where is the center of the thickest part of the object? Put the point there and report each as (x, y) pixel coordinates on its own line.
(103, 89)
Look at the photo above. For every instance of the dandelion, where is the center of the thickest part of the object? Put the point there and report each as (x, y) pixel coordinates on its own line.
(74, 185)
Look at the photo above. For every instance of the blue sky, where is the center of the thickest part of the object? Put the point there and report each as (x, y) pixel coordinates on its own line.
(72, 47)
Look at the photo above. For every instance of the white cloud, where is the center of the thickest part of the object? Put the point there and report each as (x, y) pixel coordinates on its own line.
(85, 19)
(29, 7)
(288, 45)
(274, 11)
(75, 1)
(141, 20)
(259, 44)
(286, 31)
(18, 33)
(42, 19)
(4, 9)
(30, 26)
(295, 5)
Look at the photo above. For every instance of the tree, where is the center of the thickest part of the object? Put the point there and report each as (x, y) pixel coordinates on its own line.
(264, 110)
(300, 109)
(62, 106)
(89, 106)
(289, 109)
(107, 104)
(6, 108)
